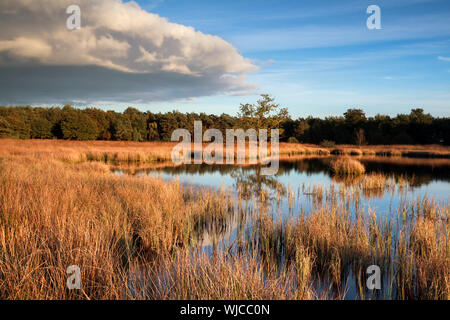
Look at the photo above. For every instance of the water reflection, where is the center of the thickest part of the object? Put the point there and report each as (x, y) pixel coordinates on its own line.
(265, 206)
(419, 171)
(302, 185)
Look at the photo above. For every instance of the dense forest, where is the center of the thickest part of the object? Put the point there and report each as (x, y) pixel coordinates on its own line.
(354, 127)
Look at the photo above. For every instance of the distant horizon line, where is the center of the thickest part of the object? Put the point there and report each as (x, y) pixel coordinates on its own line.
(219, 114)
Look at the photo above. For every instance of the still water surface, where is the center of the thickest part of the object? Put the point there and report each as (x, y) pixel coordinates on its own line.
(426, 178)
(292, 191)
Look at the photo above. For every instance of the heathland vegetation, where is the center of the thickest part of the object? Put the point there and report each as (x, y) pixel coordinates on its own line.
(139, 238)
(354, 127)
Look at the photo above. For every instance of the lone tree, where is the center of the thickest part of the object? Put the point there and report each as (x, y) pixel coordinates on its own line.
(354, 116)
(264, 115)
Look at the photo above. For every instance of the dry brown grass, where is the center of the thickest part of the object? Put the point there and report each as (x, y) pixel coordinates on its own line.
(79, 151)
(419, 151)
(198, 276)
(55, 215)
(120, 151)
(293, 149)
(346, 166)
(131, 235)
(132, 238)
(415, 264)
(154, 152)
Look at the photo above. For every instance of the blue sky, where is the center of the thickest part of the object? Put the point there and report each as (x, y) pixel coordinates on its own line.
(315, 57)
(318, 57)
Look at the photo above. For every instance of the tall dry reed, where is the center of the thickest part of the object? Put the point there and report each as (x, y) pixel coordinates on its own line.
(347, 166)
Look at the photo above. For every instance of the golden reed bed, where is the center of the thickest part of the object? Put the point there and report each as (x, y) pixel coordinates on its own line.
(137, 238)
(153, 152)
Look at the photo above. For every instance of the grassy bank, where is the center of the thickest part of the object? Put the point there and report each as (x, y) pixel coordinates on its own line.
(160, 152)
(139, 238)
(54, 215)
(412, 151)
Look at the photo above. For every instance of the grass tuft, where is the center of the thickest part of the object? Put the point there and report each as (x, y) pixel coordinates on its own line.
(347, 166)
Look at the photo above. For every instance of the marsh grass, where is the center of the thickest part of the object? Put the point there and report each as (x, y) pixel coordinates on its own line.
(346, 166)
(219, 276)
(123, 152)
(55, 215)
(414, 254)
(140, 238)
(413, 151)
(376, 184)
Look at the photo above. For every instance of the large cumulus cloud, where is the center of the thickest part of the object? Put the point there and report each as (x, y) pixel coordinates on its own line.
(121, 53)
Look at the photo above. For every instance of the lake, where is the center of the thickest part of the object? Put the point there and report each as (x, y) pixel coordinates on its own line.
(304, 185)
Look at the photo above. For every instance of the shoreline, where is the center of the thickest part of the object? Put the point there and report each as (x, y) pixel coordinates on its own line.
(160, 152)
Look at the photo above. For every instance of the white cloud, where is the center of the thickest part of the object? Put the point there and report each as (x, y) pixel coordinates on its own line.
(113, 33)
(119, 36)
(26, 48)
(444, 58)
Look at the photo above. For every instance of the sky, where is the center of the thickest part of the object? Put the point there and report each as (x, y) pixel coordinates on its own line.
(315, 57)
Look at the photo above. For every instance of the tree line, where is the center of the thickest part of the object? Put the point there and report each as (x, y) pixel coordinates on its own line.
(353, 127)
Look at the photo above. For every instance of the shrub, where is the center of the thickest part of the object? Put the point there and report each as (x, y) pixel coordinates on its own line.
(327, 144)
(293, 140)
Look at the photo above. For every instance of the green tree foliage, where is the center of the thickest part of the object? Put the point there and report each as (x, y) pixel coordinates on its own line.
(138, 123)
(266, 114)
(354, 117)
(168, 123)
(5, 129)
(102, 122)
(41, 128)
(77, 125)
(417, 127)
(121, 129)
(19, 127)
(354, 127)
(301, 130)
